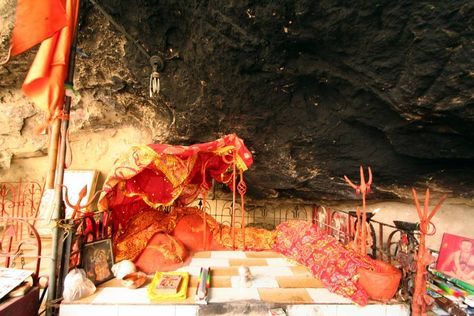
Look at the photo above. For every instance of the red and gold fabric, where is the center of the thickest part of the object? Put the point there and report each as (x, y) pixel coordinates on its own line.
(142, 227)
(325, 256)
(162, 175)
(186, 226)
(256, 239)
(163, 253)
(190, 231)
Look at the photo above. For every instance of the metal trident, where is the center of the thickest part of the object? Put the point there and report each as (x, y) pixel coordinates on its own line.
(423, 256)
(363, 189)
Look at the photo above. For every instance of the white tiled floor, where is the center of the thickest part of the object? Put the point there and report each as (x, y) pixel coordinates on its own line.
(231, 294)
(399, 309)
(228, 255)
(323, 296)
(257, 282)
(312, 310)
(86, 309)
(119, 295)
(211, 262)
(186, 310)
(279, 262)
(192, 270)
(145, 310)
(192, 310)
(347, 310)
(115, 300)
(369, 310)
(270, 271)
(130, 310)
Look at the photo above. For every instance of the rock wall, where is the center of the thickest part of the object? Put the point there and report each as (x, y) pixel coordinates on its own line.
(315, 88)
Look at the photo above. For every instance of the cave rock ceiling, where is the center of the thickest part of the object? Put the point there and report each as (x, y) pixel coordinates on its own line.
(315, 88)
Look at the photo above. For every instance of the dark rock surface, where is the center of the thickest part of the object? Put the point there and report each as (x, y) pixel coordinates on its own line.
(7, 18)
(315, 88)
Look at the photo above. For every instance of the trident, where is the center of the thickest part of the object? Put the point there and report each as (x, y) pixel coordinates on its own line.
(363, 189)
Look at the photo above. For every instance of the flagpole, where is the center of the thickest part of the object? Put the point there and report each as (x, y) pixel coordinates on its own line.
(53, 153)
(58, 206)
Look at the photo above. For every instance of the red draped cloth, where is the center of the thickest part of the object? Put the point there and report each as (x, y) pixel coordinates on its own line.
(325, 256)
(161, 175)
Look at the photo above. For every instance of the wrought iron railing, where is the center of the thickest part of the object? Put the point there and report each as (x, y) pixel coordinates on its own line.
(382, 237)
(19, 200)
(20, 242)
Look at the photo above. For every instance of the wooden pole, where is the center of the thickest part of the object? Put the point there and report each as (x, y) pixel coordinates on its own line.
(53, 153)
(58, 206)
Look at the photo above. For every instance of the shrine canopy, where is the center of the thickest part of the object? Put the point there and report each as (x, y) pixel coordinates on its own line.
(162, 175)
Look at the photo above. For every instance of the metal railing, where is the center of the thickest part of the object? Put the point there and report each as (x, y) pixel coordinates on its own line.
(382, 237)
(19, 207)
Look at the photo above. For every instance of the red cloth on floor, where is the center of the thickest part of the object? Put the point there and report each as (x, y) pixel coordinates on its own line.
(325, 256)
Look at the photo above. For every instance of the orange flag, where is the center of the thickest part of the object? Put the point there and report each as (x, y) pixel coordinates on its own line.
(44, 84)
(36, 20)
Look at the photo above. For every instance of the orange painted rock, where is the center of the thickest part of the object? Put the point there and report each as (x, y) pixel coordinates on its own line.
(381, 284)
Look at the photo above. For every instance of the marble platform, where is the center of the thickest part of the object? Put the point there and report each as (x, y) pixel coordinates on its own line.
(278, 282)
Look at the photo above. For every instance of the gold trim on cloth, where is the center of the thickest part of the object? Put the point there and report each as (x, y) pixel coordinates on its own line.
(126, 166)
(175, 165)
(255, 238)
(140, 230)
(143, 225)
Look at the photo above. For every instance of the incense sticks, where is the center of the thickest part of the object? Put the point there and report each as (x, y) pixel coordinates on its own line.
(202, 290)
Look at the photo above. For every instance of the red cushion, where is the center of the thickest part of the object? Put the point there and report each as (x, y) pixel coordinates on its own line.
(190, 230)
(163, 253)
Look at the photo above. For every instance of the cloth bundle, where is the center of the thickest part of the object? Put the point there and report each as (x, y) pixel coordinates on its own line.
(328, 260)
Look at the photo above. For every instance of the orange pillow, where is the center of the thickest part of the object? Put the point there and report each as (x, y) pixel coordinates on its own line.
(190, 229)
(163, 253)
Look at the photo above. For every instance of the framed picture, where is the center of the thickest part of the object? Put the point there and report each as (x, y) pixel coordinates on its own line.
(97, 260)
(456, 257)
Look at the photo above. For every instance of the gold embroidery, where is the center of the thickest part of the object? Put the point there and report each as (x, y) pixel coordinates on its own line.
(145, 224)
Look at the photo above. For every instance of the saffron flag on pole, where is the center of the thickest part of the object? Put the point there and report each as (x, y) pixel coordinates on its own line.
(35, 21)
(44, 84)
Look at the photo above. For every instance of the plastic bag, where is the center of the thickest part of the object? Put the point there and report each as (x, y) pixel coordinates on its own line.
(122, 268)
(77, 285)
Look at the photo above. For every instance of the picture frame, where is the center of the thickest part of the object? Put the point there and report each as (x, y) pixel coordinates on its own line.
(456, 257)
(97, 261)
